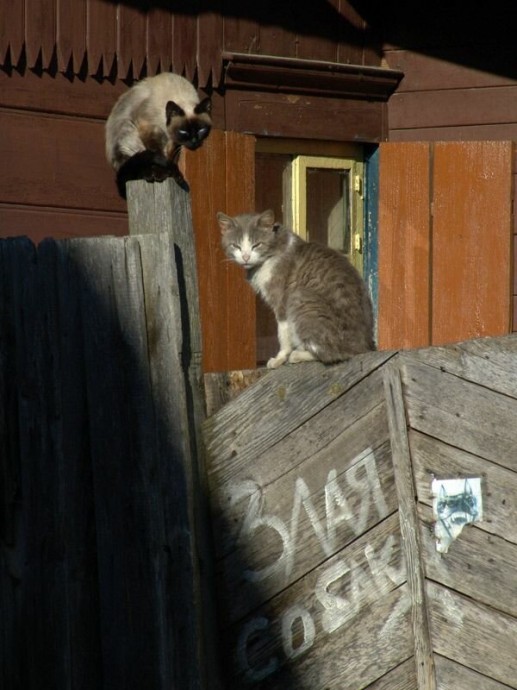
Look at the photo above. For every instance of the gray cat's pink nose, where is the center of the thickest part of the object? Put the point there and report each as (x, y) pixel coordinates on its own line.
(246, 257)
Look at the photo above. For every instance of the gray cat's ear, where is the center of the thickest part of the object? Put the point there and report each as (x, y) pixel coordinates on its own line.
(267, 219)
(225, 222)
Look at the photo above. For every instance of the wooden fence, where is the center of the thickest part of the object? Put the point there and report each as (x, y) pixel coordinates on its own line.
(103, 564)
(321, 486)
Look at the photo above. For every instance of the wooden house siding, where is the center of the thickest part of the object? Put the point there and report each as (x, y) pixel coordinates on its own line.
(120, 40)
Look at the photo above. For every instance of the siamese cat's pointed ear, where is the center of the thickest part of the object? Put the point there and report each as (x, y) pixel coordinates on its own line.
(173, 110)
(267, 219)
(205, 106)
(225, 222)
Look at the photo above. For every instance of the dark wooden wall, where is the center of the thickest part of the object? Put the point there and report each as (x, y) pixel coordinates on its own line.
(110, 39)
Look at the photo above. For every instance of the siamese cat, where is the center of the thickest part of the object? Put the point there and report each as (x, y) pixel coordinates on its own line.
(320, 301)
(150, 123)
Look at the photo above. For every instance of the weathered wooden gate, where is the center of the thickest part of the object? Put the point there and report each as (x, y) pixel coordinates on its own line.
(328, 571)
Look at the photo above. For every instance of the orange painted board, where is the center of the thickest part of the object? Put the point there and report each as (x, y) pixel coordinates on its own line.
(404, 245)
(240, 198)
(205, 171)
(221, 178)
(472, 235)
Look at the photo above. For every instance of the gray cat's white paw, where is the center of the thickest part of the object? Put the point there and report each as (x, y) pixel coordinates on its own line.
(301, 356)
(277, 361)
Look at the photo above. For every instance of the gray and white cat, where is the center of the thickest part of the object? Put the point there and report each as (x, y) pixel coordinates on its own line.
(320, 301)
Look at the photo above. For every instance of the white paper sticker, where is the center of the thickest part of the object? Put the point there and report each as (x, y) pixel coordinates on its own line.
(456, 502)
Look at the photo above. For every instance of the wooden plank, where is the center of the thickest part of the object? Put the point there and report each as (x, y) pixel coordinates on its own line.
(206, 174)
(472, 214)
(488, 132)
(302, 438)
(404, 246)
(461, 413)
(39, 222)
(131, 43)
(453, 676)
(447, 107)
(240, 198)
(184, 44)
(402, 677)
(12, 30)
(18, 412)
(489, 362)
(472, 634)
(62, 142)
(71, 32)
(58, 94)
(283, 115)
(432, 70)
(433, 458)
(40, 31)
(71, 590)
(228, 340)
(101, 37)
(142, 509)
(210, 37)
(162, 213)
(404, 483)
(480, 565)
(159, 40)
(280, 655)
(276, 395)
(274, 534)
(224, 386)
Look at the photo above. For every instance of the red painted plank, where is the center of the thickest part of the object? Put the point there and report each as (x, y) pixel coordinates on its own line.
(240, 198)
(472, 235)
(404, 246)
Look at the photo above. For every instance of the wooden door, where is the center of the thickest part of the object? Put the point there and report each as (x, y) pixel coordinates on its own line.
(445, 241)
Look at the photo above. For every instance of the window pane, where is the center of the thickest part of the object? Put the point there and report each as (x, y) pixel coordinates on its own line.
(328, 217)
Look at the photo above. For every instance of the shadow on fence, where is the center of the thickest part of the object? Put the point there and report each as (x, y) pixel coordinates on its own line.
(105, 564)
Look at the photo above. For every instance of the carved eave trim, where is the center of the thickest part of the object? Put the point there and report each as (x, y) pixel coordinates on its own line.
(316, 77)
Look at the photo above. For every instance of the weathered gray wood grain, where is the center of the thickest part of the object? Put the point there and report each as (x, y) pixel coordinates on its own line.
(404, 483)
(306, 437)
(222, 387)
(453, 676)
(400, 678)
(357, 605)
(472, 634)
(479, 565)
(283, 532)
(433, 458)
(490, 362)
(461, 413)
(286, 398)
(163, 211)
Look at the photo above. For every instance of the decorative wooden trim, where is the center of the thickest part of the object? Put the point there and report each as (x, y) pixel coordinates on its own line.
(269, 73)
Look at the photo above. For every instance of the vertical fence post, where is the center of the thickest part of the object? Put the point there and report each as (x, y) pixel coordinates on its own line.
(165, 209)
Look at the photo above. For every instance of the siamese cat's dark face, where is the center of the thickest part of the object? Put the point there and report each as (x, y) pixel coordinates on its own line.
(189, 131)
